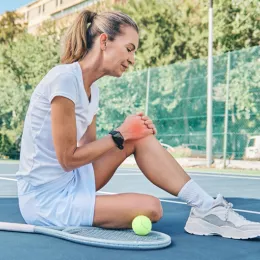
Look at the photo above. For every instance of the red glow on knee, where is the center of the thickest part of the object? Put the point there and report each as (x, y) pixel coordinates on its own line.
(136, 128)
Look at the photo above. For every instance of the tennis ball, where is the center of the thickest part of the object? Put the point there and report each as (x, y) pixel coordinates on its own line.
(142, 225)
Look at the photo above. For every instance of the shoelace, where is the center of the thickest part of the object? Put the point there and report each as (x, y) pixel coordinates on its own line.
(229, 207)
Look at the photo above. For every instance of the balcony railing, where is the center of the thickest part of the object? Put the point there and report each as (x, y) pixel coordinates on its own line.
(73, 9)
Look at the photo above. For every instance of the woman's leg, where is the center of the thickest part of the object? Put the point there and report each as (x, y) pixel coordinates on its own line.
(160, 168)
(154, 161)
(117, 211)
(106, 165)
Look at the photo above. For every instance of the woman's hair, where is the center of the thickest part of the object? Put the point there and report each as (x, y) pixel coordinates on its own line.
(87, 26)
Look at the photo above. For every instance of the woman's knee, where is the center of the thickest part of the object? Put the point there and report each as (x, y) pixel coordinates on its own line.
(155, 209)
(131, 144)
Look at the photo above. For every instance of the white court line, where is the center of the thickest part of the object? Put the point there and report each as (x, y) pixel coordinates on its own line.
(128, 174)
(184, 203)
(225, 176)
(168, 201)
(7, 179)
(191, 174)
(197, 174)
(7, 175)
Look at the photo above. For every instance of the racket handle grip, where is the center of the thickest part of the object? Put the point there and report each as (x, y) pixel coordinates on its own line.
(16, 227)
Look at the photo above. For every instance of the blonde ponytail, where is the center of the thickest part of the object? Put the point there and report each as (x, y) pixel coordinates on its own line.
(76, 42)
(87, 26)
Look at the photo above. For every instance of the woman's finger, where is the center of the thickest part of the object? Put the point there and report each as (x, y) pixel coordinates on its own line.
(148, 122)
(145, 118)
(151, 126)
(139, 113)
(149, 131)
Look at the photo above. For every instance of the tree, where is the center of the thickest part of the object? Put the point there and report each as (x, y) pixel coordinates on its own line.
(23, 64)
(170, 31)
(11, 25)
(236, 25)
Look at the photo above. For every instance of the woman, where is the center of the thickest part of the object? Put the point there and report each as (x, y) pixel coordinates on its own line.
(62, 165)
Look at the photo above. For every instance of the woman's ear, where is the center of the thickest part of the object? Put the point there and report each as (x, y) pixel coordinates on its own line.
(103, 41)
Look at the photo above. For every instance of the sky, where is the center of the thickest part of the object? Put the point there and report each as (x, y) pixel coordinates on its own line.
(11, 5)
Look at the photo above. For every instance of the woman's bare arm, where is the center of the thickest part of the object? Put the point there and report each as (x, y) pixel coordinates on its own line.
(64, 135)
(91, 133)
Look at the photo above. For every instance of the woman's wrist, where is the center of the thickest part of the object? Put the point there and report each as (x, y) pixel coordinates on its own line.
(122, 132)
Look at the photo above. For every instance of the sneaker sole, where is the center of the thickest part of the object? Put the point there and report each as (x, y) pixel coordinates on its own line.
(203, 228)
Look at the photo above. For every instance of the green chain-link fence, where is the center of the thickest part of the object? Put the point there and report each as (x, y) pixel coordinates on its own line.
(175, 98)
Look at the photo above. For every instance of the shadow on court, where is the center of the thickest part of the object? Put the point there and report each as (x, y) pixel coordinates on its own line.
(15, 245)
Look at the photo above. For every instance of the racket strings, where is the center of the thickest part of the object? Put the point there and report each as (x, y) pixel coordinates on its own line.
(109, 234)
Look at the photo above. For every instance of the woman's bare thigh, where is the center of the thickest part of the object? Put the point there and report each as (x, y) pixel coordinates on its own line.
(106, 165)
(119, 210)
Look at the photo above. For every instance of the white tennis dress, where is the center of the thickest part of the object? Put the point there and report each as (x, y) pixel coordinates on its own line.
(47, 194)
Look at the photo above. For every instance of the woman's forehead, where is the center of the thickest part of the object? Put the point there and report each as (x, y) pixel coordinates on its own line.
(129, 35)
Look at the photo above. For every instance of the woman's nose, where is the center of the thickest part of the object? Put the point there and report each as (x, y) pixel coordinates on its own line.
(131, 60)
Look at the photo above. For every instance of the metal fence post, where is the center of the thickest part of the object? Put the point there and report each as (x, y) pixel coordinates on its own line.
(226, 112)
(147, 92)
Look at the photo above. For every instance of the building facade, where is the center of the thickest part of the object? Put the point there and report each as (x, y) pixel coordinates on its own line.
(62, 11)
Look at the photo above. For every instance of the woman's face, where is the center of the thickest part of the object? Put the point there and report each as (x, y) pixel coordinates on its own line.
(120, 53)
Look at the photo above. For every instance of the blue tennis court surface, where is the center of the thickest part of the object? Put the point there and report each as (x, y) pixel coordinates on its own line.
(243, 191)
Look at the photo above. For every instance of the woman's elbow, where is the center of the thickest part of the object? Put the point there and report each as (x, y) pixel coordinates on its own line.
(65, 167)
(73, 161)
(65, 163)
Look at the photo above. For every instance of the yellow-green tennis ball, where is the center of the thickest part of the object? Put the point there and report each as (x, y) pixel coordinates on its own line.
(142, 225)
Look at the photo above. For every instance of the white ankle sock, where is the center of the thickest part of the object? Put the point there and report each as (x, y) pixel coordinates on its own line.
(195, 196)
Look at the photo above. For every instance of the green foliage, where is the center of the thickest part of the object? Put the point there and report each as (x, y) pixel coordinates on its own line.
(244, 96)
(23, 63)
(171, 33)
(5, 145)
(236, 24)
(11, 26)
(177, 30)
(119, 98)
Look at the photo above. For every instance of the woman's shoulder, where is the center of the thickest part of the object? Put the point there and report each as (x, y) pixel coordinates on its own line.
(61, 81)
(64, 71)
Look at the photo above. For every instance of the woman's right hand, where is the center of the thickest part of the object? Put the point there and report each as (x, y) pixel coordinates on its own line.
(134, 128)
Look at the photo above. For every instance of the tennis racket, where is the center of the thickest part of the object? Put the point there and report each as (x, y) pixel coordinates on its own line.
(95, 236)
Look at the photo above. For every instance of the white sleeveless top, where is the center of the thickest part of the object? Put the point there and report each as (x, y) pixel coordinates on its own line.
(38, 160)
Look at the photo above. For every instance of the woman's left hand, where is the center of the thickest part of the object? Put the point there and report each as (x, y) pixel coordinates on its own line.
(148, 122)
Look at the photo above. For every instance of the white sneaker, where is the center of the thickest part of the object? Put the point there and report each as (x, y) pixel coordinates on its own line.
(221, 220)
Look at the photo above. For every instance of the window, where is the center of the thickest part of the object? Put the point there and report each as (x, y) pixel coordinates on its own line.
(39, 8)
(57, 2)
(43, 8)
(201, 148)
(251, 142)
(193, 147)
(61, 2)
